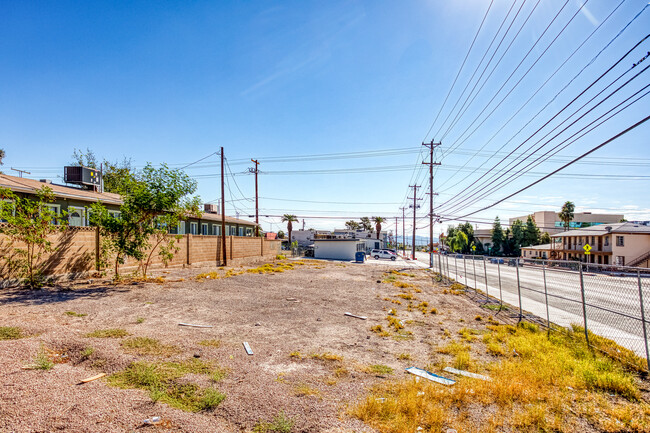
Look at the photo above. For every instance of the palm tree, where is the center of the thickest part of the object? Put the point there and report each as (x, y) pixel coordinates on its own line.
(352, 225)
(378, 220)
(566, 215)
(288, 218)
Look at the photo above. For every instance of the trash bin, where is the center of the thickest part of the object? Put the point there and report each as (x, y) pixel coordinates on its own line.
(360, 256)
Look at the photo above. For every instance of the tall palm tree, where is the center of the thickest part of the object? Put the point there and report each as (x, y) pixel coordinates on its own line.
(566, 215)
(289, 219)
(378, 220)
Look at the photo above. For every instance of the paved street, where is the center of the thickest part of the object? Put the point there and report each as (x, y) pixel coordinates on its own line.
(613, 306)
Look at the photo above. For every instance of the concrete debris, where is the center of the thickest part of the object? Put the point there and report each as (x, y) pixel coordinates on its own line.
(247, 347)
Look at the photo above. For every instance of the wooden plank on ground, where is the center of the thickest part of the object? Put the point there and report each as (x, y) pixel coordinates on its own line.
(355, 316)
(430, 376)
(247, 347)
(466, 373)
(194, 326)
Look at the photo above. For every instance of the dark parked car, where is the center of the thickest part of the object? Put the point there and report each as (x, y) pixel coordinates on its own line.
(497, 261)
(515, 262)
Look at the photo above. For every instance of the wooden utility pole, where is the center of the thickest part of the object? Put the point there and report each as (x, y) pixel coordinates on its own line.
(257, 209)
(223, 214)
(403, 231)
(396, 234)
(414, 206)
(431, 164)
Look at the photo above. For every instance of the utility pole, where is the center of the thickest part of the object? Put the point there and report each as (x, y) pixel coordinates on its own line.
(431, 164)
(414, 206)
(403, 232)
(223, 214)
(257, 216)
(396, 234)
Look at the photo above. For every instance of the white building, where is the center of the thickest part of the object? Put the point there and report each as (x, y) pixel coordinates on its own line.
(337, 249)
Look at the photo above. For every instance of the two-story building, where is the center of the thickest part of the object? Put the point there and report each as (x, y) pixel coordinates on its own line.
(622, 244)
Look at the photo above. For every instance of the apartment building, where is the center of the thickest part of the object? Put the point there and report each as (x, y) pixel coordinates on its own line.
(549, 221)
(622, 244)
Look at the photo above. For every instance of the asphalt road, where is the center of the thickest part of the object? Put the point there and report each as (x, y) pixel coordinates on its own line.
(612, 302)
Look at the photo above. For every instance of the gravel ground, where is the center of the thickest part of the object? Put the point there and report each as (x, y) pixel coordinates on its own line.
(277, 314)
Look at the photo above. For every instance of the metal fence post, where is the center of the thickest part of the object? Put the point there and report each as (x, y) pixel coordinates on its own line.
(645, 332)
(475, 283)
(440, 266)
(456, 266)
(487, 297)
(465, 267)
(500, 291)
(448, 271)
(548, 317)
(521, 314)
(584, 303)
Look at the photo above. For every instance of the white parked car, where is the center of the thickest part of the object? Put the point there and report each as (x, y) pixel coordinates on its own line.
(383, 254)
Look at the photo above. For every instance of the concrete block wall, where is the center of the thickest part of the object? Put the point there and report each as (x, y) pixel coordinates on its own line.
(76, 251)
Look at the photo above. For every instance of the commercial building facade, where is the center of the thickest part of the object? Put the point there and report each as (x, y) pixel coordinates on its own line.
(549, 221)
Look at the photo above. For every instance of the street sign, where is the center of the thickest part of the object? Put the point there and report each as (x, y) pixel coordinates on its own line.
(473, 247)
(587, 249)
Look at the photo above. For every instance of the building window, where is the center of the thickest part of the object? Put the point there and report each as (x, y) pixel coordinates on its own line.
(181, 228)
(593, 240)
(216, 230)
(249, 231)
(76, 216)
(619, 241)
(606, 241)
(115, 214)
(620, 260)
(241, 231)
(54, 208)
(204, 229)
(194, 228)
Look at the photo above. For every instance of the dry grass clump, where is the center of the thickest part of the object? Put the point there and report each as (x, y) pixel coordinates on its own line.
(75, 314)
(280, 257)
(468, 334)
(407, 296)
(403, 274)
(402, 285)
(327, 356)
(269, 268)
(148, 346)
(11, 333)
(378, 329)
(161, 380)
(304, 390)
(108, 333)
(378, 369)
(210, 343)
(395, 323)
(404, 356)
(296, 355)
(280, 424)
(540, 383)
(213, 275)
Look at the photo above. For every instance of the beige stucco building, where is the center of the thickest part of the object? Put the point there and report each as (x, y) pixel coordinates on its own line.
(622, 244)
(549, 221)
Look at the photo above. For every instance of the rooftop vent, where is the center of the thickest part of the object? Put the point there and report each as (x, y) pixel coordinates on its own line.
(608, 228)
(48, 181)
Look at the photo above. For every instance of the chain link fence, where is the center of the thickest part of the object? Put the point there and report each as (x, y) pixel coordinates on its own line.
(602, 300)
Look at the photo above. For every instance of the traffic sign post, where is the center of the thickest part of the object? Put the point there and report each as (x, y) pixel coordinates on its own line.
(587, 249)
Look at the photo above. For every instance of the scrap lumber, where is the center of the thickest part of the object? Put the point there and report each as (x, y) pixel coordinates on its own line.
(429, 376)
(194, 326)
(90, 379)
(247, 347)
(466, 374)
(355, 316)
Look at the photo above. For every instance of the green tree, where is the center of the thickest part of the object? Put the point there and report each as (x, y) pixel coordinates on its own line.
(497, 236)
(352, 225)
(545, 238)
(280, 234)
(116, 175)
(469, 231)
(366, 224)
(378, 220)
(2, 155)
(154, 200)
(289, 219)
(531, 233)
(517, 230)
(29, 223)
(87, 159)
(458, 242)
(566, 214)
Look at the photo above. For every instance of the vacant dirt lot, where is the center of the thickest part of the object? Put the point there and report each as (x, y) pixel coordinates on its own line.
(310, 361)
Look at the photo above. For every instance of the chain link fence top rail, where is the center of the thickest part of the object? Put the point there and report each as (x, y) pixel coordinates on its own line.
(607, 300)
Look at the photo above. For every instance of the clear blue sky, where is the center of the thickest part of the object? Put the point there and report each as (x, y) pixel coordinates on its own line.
(173, 81)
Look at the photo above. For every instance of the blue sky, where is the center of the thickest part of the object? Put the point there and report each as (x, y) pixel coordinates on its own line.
(173, 81)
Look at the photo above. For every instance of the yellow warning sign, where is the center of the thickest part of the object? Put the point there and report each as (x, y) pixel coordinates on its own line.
(587, 249)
